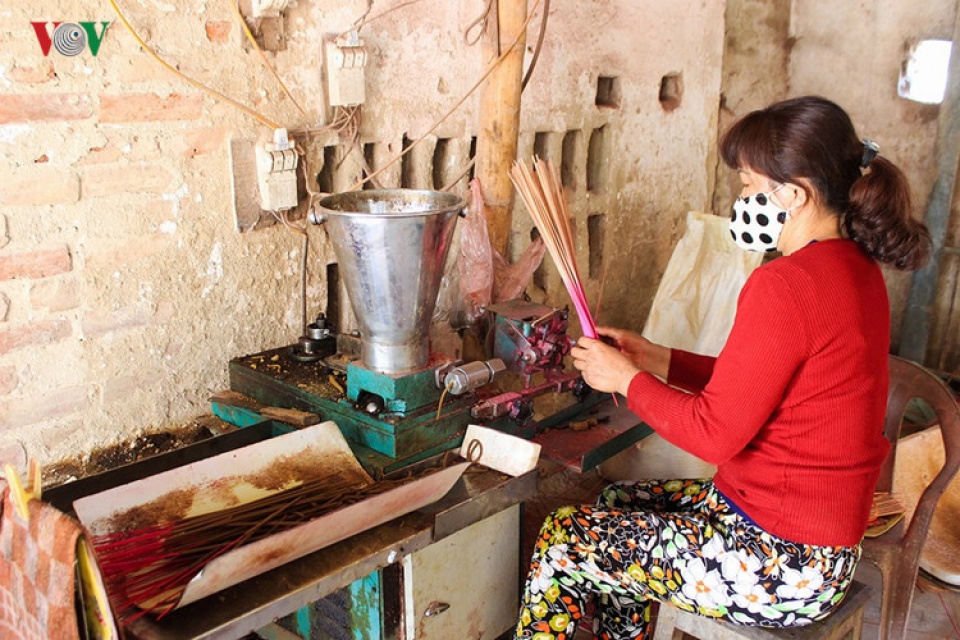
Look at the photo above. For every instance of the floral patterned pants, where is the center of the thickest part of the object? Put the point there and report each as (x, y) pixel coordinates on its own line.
(678, 542)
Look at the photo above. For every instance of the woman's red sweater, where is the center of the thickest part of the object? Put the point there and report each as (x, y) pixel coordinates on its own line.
(792, 409)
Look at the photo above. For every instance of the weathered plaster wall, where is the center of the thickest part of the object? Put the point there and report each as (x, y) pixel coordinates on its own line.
(851, 52)
(124, 286)
(755, 63)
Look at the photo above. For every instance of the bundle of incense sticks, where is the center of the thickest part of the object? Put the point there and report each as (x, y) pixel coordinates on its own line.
(885, 504)
(147, 569)
(541, 190)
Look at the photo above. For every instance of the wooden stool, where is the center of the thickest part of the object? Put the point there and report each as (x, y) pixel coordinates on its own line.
(845, 623)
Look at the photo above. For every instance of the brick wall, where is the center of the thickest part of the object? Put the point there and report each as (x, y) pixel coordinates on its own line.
(124, 285)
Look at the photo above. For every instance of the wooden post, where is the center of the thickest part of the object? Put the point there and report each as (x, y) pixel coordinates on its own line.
(500, 116)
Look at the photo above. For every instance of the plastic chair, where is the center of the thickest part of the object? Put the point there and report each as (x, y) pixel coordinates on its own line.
(897, 552)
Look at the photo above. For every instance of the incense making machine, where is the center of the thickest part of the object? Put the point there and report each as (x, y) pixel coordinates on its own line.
(395, 399)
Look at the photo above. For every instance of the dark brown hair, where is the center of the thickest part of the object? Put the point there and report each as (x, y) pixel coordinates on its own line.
(814, 139)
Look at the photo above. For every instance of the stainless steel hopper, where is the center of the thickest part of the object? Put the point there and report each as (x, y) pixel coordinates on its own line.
(391, 245)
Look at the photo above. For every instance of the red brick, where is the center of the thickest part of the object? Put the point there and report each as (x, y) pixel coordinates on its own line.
(109, 255)
(134, 149)
(100, 155)
(55, 404)
(150, 107)
(218, 32)
(120, 388)
(110, 179)
(49, 107)
(202, 141)
(14, 453)
(55, 294)
(98, 323)
(39, 185)
(41, 72)
(8, 379)
(35, 264)
(35, 333)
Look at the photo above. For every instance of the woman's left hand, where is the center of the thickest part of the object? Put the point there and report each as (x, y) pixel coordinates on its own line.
(603, 367)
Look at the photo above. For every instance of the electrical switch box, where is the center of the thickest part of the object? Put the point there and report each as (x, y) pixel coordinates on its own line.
(277, 173)
(270, 8)
(346, 59)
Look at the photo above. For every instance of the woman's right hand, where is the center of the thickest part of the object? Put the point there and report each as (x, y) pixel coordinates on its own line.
(650, 357)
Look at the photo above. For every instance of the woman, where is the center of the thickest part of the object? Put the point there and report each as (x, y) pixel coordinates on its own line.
(791, 412)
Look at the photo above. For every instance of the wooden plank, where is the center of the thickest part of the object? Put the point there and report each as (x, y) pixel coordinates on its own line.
(291, 416)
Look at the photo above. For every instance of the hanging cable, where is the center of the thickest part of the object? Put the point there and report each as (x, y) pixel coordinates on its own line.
(219, 96)
(523, 85)
(538, 47)
(263, 57)
(363, 20)
(480, 24)
(476, 85)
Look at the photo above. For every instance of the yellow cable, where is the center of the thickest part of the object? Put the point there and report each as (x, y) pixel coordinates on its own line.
(496, 63)
(191, 81)
(440, 404)
(263, 58)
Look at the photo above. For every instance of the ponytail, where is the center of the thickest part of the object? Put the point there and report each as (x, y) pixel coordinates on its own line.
(878, 218)
(812, 138)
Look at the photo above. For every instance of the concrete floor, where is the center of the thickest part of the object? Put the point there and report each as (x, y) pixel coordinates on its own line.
(929, 617)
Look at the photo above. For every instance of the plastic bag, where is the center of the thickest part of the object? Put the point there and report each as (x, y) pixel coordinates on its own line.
(696, 301)
(475, 263)
(510, 280)
(485, 275)
(693, 310)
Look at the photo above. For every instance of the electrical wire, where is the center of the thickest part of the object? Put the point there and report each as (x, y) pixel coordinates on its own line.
(523, 85)
(538, 47)
(263, 57)
(362, 21)
(480, 22)
(457, 105)
(460, 176)
(199, 85)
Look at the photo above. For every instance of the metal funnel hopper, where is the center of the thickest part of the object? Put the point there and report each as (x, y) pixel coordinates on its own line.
(391, 245)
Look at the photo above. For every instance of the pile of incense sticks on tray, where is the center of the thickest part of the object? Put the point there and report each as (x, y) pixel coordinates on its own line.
(541, 190)
(147, 569)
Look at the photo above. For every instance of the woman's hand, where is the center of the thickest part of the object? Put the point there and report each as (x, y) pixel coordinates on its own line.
(603, 367)
(641, 352)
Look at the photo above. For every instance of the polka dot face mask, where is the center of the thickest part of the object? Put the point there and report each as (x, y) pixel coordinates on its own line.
(756, 222)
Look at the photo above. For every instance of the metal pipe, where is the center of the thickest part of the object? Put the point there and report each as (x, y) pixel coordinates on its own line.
(915, 334)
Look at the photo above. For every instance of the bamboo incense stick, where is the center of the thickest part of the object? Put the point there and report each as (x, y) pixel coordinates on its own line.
(148, 568)
(541, 190)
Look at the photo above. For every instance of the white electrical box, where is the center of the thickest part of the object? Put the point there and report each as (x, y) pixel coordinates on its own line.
(270, 8)
(277, 173)
(346, 59)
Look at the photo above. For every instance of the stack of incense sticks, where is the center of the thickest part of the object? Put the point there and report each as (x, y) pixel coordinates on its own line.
(885, 504)
(541, 190)
(146, 569)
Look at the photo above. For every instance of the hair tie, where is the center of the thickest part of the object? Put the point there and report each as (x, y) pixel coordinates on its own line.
(870, 151)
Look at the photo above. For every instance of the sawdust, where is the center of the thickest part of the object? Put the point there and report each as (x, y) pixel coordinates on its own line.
(294, 468)
(116, 455)
(167, 508)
